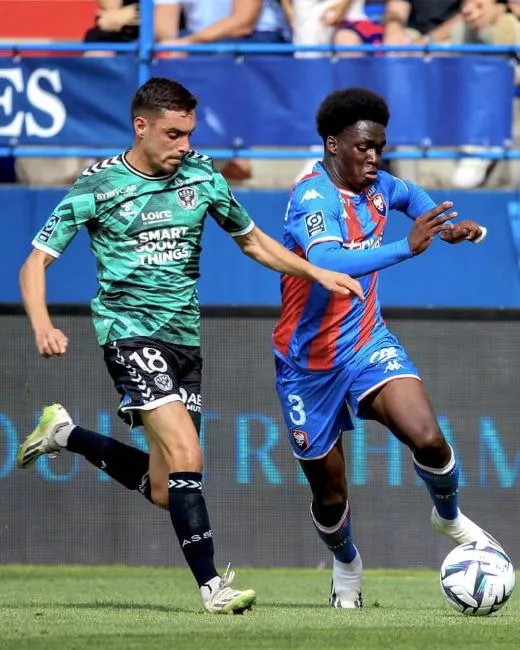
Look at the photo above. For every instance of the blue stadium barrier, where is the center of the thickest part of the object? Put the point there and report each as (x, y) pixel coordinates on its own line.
(466, 275)
(70, 102)
(51, 106)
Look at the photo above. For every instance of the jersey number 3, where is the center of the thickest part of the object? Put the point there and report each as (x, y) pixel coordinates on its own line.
(297, 410)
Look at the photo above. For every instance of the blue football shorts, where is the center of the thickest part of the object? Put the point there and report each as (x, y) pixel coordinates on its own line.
(315, 405)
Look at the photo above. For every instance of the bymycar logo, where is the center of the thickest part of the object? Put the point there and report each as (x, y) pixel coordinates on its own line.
(35, 88)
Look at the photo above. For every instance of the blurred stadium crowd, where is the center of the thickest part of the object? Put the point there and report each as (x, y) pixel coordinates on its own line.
(309, 22)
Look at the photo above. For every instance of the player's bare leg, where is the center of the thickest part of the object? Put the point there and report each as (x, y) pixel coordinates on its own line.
(330, 513)
(403, 407)
(172, 435)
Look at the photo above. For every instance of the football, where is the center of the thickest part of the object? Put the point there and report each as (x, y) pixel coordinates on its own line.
(477, 578)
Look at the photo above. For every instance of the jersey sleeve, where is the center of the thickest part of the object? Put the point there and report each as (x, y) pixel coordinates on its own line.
(313, 217)
(74, 211)
(407, 197)
(230, 215)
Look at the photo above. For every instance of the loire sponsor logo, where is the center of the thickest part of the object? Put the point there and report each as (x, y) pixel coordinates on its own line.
(157, 216)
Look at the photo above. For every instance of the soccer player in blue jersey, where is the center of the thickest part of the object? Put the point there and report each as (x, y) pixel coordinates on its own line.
(333, 350)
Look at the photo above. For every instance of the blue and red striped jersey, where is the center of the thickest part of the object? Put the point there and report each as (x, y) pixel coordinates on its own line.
(319, 330)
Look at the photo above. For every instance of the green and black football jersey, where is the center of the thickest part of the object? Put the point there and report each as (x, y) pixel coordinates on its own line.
(145, 233)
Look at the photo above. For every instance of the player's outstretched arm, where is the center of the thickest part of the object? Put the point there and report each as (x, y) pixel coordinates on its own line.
(415, 202)
(49, 340)
(268, 252)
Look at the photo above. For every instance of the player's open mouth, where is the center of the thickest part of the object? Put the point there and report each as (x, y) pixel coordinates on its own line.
(371, 173)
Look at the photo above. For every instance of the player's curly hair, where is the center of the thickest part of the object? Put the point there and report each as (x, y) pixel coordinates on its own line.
(159, 94)
(343, 108)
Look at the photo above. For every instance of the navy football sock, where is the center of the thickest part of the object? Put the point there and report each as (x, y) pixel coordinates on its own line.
(126, 465)
(338, 538)
(190, 520)
(443, 486)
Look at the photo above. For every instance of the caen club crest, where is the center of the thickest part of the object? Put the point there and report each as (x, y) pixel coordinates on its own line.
(187, 198)
(300, 438)
(379, 204)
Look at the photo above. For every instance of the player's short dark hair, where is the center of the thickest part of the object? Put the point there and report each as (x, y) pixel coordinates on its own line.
(343, 108)
(159, 94)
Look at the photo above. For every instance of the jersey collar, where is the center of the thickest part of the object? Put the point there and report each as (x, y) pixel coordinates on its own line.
(147, 177)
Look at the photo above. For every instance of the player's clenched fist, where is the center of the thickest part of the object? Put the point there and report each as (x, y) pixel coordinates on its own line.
(428, 225)
(340, 283)
(51, 342)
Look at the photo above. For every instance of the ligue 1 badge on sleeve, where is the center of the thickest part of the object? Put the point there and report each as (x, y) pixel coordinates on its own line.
(187, 198)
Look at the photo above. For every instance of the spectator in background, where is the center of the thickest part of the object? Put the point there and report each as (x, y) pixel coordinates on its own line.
(222, 21)
(225, 21)
(488, 22)
(409, 22)
(331, 22)
(117, 21)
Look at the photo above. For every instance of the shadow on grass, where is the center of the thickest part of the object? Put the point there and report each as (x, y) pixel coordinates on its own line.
(111, 605)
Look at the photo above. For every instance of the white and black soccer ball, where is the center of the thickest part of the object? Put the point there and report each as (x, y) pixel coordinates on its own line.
(477, 578)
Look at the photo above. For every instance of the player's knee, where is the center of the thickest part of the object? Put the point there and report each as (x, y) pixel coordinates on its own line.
(329, 508)
(182, 457)
(430, 446)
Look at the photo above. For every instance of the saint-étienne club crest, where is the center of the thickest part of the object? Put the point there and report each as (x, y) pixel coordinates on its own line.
(187, 198)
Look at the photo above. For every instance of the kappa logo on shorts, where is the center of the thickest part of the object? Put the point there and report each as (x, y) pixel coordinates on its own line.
(315, 223)
(187, 198)
(49, 228)
(379, 204)
(300, 438)
(393, 365)
(163, 382)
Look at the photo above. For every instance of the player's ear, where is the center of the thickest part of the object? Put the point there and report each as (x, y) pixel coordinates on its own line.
(331, 144)
(139, 126)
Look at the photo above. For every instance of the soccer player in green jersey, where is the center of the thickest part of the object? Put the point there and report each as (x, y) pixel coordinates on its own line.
(144, 211)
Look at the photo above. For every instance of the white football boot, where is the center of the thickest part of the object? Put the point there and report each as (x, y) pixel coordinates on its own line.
(461, 529)
(219, 598)
(42, 440)
(345, 590)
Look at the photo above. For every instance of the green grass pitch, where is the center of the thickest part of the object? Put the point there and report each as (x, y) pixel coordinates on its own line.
(129, 608)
